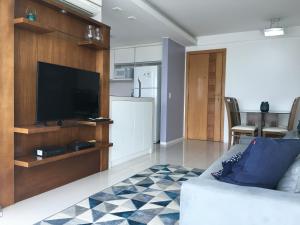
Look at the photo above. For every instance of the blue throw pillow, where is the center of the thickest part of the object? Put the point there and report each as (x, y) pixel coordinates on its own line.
(227, 166)
(263, 163)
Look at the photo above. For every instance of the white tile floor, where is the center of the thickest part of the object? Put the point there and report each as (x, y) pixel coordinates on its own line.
(197, 154)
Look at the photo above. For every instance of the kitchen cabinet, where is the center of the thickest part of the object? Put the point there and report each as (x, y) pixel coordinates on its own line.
(121, 56)
(151, 53)
(132, 131)
(124, 56)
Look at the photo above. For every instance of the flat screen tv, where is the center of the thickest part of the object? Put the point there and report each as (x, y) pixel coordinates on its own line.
(66, 93)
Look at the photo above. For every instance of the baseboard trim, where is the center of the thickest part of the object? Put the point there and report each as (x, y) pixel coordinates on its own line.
(173, 142)
(115, 162)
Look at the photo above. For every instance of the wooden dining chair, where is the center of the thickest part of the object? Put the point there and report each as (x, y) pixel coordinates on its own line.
(235, 128)
(292, 124)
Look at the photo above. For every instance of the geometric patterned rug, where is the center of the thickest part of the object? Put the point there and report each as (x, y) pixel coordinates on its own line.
(150, 197)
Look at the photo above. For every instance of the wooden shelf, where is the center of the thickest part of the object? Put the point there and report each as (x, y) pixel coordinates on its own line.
(93, 124)
(32, 161)
(92, 44)
(36, 129)
(32, 25)
(33, 129)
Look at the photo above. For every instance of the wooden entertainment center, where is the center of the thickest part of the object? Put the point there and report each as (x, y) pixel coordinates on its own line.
(56, 38)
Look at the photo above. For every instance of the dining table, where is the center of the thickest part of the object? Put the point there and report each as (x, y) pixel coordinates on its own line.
(264, 119)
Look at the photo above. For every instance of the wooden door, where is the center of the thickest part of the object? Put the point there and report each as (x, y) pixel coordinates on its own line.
(205, 92)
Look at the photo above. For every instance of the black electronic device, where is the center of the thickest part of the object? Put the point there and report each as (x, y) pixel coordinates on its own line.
(80, 145)
(66, 93)
(50, 151)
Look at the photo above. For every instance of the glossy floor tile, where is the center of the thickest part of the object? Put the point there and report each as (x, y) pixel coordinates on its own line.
(150, 197)
(195, 154)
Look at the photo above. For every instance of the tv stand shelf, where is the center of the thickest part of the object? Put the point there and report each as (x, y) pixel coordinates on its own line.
(32, 161)
(92, 44)
(33, 26)
(95, 123)
(37, 129)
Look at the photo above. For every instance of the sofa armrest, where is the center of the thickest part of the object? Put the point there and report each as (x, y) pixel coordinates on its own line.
(211, 202)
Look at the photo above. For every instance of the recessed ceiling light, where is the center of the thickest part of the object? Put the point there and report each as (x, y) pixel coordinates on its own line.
(131, 17)
(117, 8)
(63, 11)
(275, 29)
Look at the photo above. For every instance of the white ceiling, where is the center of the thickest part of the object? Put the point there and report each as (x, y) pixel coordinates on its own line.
(146, 29)
(195, 17)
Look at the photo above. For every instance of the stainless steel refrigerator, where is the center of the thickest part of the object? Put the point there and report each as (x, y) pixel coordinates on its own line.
(147, 83)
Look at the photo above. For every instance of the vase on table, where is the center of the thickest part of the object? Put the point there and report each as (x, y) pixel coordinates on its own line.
(264, 107)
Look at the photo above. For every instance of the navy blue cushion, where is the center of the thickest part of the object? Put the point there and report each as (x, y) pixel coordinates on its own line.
(263, 163)
(227, 166)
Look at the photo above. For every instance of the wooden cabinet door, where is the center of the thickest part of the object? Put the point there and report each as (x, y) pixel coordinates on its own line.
(198, 68)
(205, 93)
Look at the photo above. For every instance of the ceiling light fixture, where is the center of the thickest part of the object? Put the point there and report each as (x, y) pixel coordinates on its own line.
(63, 11)
(275, 29)
(117, 8)
(131, 17)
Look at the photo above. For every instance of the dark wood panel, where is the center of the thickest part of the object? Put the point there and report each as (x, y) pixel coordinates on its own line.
(25, 144)
(103, 63)
(58, 47)
(33, 26)
(25, 76)
(33, 161)
(102, 134)
(65, 23)
(33, 181)
(6, 102)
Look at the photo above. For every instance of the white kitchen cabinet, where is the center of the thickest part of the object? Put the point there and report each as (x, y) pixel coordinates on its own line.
(151, 53)
(112, 64)
(132, 130)
(124, 55)
(142, 125)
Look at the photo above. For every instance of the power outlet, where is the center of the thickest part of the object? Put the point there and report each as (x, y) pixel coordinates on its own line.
(170, 95)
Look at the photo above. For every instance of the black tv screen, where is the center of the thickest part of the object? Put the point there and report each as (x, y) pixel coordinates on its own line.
(66, 93)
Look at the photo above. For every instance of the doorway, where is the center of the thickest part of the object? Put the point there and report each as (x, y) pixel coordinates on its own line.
(205, 88)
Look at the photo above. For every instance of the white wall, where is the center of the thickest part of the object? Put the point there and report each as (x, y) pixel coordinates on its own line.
(258, 68)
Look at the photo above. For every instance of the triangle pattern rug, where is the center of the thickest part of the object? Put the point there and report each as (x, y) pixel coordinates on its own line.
(151, 197)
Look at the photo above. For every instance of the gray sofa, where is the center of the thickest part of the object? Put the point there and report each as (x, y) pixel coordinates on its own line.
(206, 201)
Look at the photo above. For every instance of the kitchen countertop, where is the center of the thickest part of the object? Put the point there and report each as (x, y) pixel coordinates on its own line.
(131, 99)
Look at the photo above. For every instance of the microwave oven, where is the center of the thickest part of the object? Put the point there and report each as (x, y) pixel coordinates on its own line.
(124, 72)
